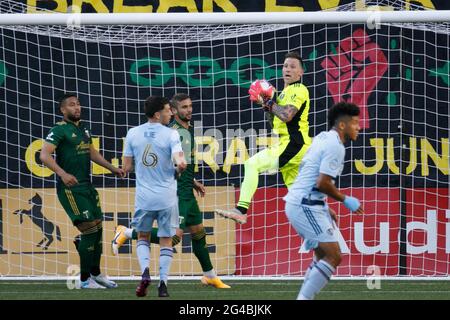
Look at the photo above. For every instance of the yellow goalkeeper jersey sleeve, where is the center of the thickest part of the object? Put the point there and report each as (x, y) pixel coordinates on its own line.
(297, 95)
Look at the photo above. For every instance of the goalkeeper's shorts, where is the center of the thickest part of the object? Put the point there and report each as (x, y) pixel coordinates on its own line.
(284, 156)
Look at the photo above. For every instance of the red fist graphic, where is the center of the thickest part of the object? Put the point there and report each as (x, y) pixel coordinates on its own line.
(354, 71)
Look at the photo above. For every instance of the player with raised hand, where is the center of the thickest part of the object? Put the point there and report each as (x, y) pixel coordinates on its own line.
(288, 116)
(306, 206)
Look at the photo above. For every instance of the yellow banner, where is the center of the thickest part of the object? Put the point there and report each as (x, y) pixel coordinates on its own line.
(423, 154)
(164, 6)
(37, 236)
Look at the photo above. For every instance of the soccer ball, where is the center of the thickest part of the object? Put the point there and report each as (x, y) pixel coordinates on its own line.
(267, 89)
(261, 90)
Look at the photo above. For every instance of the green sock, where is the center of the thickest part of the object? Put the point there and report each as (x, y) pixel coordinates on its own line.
(175, 240)
(154, 236)
(201, 250)
(134, 235)
(76, 241)
(86, 249)
(95, 267)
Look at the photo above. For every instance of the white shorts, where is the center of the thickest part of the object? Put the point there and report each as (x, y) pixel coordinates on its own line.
(168, 221)
(313, 223)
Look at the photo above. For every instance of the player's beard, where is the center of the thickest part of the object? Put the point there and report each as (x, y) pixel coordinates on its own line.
(348, 137)
(185, 119)
(73, 118)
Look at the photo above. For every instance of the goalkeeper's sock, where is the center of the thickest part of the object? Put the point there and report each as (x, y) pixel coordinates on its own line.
(95, 267)
(249, 185)
(242, 209)
(201, 249)
(143, 254)
(86, 249)
(317, 280)
(165, 260)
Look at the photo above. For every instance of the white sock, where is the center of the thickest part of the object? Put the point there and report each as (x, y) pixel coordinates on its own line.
(210, 274)
(308, 271)
(143, 254)
(317, 280)
(165, 260)
(128, 233)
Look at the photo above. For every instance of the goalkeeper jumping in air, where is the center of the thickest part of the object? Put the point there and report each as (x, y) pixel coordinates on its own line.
(288, 116)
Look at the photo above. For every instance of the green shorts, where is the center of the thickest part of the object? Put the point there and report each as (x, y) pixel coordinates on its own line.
(190, 214)
(80, 204)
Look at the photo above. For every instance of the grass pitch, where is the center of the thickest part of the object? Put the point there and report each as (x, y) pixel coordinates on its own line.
(240, 290)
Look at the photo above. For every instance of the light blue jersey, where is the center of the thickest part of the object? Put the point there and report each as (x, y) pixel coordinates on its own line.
(152, 145)
(306, 208)
(326, 155)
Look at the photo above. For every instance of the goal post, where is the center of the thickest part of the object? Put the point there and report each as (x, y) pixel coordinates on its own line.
(393, 64)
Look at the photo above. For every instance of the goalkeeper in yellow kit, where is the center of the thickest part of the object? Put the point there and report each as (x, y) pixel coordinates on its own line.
(288, 116)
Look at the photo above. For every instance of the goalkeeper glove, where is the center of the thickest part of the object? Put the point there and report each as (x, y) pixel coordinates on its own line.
(260, 91)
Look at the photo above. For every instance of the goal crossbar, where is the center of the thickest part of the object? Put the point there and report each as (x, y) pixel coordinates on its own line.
(321, 17)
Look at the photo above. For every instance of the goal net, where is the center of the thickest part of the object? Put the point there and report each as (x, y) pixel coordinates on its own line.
(398, 73)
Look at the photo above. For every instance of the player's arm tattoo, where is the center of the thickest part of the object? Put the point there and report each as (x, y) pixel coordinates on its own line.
(284, 113)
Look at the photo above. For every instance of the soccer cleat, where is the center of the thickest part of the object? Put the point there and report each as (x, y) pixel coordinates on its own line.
(215, 282)
(162, 290)
(119, 239)
(90, 284)
(141, 290)
(233, 214)
(104, 281)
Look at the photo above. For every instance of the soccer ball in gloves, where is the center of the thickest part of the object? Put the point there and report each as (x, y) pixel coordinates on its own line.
(260, 91)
